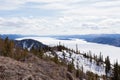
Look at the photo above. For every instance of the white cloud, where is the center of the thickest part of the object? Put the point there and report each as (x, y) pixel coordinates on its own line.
(61, 25)
(75, 17)
(113, 3)
(10, 4)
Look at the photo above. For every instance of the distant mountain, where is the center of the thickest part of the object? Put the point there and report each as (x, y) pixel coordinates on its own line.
(110, 39)
(106, 40)
(11, 36)
(14, 36)
(29, 43)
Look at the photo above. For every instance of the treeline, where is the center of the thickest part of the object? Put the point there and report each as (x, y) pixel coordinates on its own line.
(79, 72)
(9, 49)
(112, 71)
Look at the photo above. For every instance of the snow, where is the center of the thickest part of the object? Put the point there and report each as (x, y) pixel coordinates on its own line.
(26, 46)
(79, 62)
(30, 46)
(106, 50)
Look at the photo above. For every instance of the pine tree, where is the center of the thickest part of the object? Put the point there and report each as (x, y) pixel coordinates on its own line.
(8, 47)
(76, 48)
(116, 73)
(41, 53)
(108, 65)
(77, 71)
(90, 56)
(1, 45)
(100, 57)
(63, 55)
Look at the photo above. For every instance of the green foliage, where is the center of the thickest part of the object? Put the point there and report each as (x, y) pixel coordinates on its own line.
(20, 54)
(8, 49)
(38, 52)
(59, 48)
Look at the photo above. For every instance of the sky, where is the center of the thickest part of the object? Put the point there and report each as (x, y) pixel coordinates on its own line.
(59, 17)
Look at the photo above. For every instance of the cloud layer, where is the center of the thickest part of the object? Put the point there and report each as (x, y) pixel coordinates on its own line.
(47, 17)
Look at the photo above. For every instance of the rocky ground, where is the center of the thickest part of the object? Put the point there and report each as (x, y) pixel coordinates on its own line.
(32, 68)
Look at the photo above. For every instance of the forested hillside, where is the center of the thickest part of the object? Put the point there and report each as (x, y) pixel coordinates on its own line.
(32, 60)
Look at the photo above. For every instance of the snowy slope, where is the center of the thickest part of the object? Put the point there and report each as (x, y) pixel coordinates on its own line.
(83, 46)
(80, 62)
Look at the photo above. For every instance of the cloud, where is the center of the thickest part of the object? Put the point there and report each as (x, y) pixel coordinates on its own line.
(108, 4)
(59, 16)
(69, 7)
(10, 5)
(61, 25)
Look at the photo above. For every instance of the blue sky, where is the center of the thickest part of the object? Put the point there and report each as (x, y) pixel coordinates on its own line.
(58, 17)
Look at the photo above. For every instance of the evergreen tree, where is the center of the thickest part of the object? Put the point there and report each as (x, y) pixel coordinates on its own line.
(77, 71)
(63, 55)
(90, 56)
(108, 65)
(100, 57)
(41, 53)
(76, 48)
(8, 47)
(1, 45)
(116, 73)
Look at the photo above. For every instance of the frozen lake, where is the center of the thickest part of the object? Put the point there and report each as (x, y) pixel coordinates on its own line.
(106, 50)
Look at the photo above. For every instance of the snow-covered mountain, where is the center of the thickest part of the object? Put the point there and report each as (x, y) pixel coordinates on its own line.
(29, 43)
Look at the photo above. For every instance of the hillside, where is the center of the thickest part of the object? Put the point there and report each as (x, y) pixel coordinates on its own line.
(51, 63)
(33, 68)
(64, 54)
